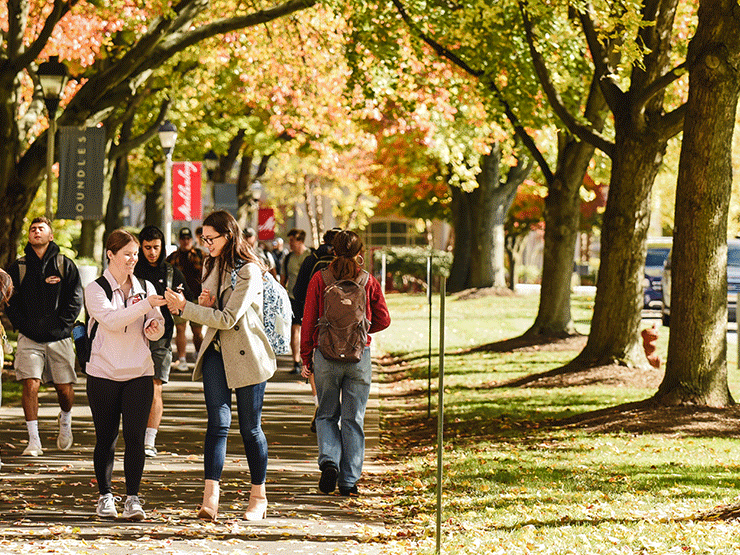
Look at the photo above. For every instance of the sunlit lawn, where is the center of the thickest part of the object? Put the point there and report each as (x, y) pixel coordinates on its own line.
(512, 483)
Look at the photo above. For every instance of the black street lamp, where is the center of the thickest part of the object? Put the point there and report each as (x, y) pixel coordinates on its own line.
(168, 138)
(53, 76)
(210, 161)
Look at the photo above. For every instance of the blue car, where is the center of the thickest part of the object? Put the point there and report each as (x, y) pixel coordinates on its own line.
(657, 251)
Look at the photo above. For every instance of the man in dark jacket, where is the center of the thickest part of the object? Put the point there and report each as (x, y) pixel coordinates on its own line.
(317, 260)
(48, 298)
(152, 267)
(189, 260)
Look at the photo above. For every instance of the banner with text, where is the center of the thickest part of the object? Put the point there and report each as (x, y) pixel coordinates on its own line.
(186, 182)
(81, 158)
(266, 224)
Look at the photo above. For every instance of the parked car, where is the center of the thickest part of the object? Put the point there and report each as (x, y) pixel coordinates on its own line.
(657, 251)
(733, 282)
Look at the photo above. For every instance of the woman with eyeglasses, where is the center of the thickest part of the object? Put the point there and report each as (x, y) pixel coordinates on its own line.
(235, 355)
(120, 370)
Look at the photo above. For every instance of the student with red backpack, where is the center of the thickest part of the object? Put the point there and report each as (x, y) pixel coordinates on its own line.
(344, 305)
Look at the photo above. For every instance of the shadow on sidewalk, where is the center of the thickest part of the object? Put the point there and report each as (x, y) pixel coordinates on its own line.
(52, 498)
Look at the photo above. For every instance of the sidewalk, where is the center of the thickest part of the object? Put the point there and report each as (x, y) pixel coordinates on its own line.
(47, 504)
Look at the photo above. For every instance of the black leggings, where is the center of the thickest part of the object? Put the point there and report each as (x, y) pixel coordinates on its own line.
(109, 400)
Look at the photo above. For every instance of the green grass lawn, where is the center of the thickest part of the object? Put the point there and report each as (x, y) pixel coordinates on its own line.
(513, 484)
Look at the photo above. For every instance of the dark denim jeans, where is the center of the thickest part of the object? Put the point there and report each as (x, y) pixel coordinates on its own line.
(249, 408)
(343, 389)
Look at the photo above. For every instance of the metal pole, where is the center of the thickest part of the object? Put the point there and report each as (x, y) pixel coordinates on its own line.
(167, 199)
(429, 351)
(440, 408)
(49, 163)
(383, 262)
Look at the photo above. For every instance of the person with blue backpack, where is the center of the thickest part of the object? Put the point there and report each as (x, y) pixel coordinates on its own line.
(235, 355)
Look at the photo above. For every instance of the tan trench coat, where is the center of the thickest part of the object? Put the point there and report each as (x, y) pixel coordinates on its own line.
(248, 357)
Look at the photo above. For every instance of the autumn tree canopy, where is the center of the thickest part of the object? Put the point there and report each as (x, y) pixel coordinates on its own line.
(122, 43)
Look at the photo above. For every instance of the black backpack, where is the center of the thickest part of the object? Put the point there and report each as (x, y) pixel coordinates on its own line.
(83, 341)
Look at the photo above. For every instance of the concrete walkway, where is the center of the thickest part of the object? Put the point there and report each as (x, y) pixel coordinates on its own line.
(47, 504)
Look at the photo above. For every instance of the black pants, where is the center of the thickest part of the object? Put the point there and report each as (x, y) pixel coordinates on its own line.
(108, 401)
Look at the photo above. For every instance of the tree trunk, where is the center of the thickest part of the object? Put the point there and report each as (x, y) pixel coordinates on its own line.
(485, 209)
(461, 251)
(562, 218)
(696, 369)
(114, 208)
(619, 284)
(153, 205)
(16, 206)
(88, 233)
(118, 181)
(562, 223)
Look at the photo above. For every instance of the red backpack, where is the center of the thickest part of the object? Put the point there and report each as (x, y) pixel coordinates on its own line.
(344, 325)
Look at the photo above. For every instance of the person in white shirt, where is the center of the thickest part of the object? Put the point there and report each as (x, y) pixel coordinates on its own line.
(120, 369)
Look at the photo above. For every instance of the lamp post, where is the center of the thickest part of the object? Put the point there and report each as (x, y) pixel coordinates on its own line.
(256, 192)
(53, 76)
(210, 161)
(168, 138)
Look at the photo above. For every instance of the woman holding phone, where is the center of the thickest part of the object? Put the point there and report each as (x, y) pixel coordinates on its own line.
(120, 370)
(235, 356)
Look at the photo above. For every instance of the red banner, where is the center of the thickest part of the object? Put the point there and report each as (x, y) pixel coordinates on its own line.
(266, 224)
(186, 182)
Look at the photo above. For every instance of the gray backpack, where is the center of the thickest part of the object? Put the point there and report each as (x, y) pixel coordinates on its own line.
(344, 325)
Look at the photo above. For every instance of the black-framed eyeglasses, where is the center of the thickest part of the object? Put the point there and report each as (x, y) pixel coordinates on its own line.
(209, 240)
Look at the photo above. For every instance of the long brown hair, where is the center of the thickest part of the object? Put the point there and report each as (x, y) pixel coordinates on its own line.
(236, 247)
(347, 247)
(6, 287)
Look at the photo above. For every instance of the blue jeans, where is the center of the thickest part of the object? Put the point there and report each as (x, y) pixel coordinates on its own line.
(343, 389)
(249, 408)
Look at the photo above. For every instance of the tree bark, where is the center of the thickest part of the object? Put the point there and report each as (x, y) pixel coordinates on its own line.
(486, 205)
(617, 309)
(461, 250)
(562, 224)
(153, 204)
(696, 368)
(118, 181)
(482, 224)
(562, 218)
(642, 130)
(88, 233)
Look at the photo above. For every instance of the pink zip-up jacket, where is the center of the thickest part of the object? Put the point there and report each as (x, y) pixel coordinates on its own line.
(120, 350)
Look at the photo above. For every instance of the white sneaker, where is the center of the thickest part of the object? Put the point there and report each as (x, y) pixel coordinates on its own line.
(182, 365)
(132, 509)
(65, 438)
(107, 506)
(33, 449)
(150, 450)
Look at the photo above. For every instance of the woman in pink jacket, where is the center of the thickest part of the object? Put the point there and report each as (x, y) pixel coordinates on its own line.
(120, 370)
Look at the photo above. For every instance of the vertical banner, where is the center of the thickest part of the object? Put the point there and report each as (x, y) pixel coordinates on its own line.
(81, 159)
(186, 184)
(265, 224)
(224, 198)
